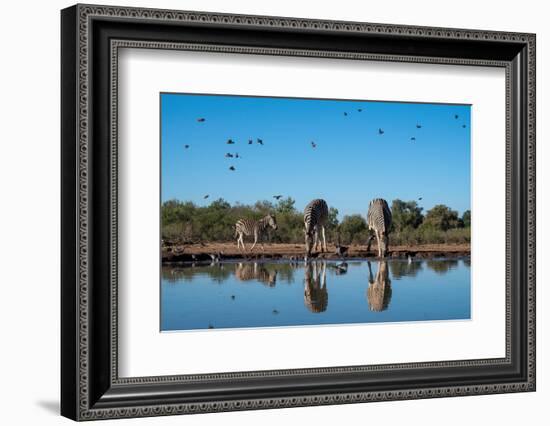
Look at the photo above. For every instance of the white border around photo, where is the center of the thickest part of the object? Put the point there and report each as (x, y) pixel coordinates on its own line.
(144, 351)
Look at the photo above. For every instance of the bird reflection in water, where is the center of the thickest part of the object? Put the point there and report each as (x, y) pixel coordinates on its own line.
(315, 288)
(256, 271)
(379, 291)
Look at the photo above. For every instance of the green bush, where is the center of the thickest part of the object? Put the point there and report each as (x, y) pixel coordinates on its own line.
(185, 222)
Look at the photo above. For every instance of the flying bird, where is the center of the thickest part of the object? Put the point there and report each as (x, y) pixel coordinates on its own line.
(228, 155)
(237, 155)
(232, 297)
(345, 114)
(186, 146)
(380, 132)
(456, 116)
(359, 110)
(413, 138)
(206, 196)
(419, 198)
(275, 311)
(261, 142)
(201, 120)
(418, 126)
(232, 168)
(230, 141)
(463, 126)
(277, 197)
(250, 141)
(313, 144)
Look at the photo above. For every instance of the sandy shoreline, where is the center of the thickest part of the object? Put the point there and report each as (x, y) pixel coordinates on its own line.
(228, 251)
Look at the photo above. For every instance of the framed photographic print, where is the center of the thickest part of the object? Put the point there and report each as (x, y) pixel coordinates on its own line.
(263, 212)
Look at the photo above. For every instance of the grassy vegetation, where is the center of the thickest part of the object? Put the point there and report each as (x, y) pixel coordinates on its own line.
(185, 222)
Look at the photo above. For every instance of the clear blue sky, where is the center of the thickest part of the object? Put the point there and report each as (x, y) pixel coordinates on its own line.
(351, 164)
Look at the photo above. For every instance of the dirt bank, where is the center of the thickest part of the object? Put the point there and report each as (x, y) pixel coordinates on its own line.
(227, 251)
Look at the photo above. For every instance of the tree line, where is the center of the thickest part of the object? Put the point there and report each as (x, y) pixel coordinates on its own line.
(185, 222)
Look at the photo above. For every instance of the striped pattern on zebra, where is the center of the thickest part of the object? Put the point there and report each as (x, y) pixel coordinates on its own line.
(256, 228)
(379, 291)
(315, 286)
(315, 219)
(379, 219)
(256, 272)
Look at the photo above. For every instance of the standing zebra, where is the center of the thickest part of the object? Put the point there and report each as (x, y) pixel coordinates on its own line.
(315, 218)
(257, 228)
(379, 220)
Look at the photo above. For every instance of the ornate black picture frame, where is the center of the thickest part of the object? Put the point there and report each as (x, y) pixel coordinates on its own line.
(91, 37)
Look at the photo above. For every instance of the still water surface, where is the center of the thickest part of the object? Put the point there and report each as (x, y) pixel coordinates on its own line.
(275, 294)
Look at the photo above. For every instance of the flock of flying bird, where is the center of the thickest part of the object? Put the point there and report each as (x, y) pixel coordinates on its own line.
(313, 144)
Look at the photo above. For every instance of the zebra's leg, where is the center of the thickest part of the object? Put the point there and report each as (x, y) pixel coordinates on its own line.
(378, 242)
(255, 241)
(369, 242)
(324, 239)
(315, 238)
(242, 241)
(238, 241)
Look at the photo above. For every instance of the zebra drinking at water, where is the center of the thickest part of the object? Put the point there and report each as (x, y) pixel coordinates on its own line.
(379, 219)
(257, 228)
(315, 218)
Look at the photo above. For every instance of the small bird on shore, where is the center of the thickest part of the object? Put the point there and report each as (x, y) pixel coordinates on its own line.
(215, 256)
(232, 168)
(228, 155)
(277, 197)
(186, 146)
(201, 120)
(210, 326)
(341, 250)
(313, 144)
(261, 142)
(230, 141)
(380, 131)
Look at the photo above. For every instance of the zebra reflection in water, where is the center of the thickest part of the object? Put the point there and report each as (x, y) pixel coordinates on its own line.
(256, 271)
(379, 291)
(315, 290)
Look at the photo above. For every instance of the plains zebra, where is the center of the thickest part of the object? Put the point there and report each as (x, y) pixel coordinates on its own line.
(379, 291)
(257, 228)
(257, 272)
(315, 288)
(315, 218)
(379, 220)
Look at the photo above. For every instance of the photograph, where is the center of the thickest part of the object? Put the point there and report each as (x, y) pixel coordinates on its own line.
(265, 209)
(280, 212)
